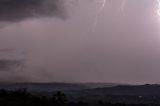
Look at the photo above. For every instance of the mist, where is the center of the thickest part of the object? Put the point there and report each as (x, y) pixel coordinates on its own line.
(77, 41)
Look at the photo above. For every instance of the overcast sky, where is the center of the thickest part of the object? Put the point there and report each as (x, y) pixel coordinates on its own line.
(80, 41)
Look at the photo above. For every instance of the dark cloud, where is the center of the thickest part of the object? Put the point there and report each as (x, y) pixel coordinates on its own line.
(18, 10)
(6, 65)
(7, 50)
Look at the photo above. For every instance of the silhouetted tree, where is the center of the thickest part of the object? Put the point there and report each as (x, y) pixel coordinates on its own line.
(59, 99)
(100, 103)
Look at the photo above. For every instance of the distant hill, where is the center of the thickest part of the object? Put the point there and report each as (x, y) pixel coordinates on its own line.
(92, 92)
(51, 87)
(87, 88)
(127, 90)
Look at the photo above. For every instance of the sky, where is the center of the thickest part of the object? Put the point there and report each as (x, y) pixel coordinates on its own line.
(80, 41)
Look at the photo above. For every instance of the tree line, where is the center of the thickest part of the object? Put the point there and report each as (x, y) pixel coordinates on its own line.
(22, 97)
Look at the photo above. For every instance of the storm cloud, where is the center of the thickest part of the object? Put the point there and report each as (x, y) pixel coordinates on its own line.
(18, 10)
(112, 45)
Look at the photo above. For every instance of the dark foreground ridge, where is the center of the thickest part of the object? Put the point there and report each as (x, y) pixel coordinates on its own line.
(79, 95)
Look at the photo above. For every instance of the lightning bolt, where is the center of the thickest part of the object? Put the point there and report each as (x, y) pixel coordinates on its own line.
(98, 13)
(123, 5)
(158, 10)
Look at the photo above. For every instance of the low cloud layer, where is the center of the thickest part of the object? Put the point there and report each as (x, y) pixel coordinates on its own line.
(9, 65)
(18, 10)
